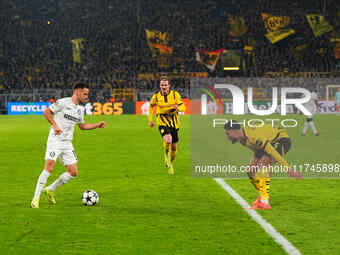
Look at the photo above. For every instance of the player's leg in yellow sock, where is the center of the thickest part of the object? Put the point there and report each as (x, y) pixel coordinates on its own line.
(264, 186)
(255, 180)
(173, 151)
(167, 147)
(172, 158)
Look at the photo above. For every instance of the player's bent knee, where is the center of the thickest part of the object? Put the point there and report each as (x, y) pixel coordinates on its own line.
(72, 170)
(49, 165)
(73, 173)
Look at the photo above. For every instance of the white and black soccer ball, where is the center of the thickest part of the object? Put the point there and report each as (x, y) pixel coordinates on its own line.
(90, 197)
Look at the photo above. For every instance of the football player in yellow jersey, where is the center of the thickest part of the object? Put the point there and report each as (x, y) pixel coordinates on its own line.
(269, 144)
(169, 103)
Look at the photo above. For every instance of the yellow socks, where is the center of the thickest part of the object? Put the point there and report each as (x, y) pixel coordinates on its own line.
(261, 182)
(256, 182)
(265, 187)
(173, 155)
(166, 148)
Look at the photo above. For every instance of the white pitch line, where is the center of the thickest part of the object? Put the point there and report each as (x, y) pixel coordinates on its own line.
(280, 239)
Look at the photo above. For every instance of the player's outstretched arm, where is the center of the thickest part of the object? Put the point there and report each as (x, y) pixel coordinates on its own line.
(273, 153)
(49, 116)
(89, 126)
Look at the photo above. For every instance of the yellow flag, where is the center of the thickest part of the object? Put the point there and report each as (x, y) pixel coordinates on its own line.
(77, 45)
(158, 42)
(318, 24)
(277, 27)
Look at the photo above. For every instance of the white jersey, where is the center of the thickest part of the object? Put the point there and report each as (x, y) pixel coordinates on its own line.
(311, 104)
(66, 115)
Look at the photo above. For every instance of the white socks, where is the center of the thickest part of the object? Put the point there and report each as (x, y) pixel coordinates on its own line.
(41, 183)
(305, 127)
(313, 127)
(63, 178)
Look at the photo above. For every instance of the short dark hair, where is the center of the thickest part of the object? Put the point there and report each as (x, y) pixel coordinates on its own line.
(80, 85)
(232, 125)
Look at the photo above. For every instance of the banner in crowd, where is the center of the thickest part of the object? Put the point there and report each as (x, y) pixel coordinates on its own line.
(23, 108)
(158, 42)
(231, 60)
(299, 74)
(152, 76)
(325, 107)
(257, 93)
(277, 27)
(142, 107)
(318, 24)
(208, 58)
(237, 26)
(259, 105)
(77, 46)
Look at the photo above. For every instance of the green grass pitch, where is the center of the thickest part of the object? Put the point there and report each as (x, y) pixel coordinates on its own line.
(142, 210)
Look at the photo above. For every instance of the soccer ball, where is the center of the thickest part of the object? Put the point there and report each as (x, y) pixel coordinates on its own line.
(90, 197)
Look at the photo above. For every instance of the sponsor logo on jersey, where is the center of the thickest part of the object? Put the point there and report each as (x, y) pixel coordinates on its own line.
(69, 117)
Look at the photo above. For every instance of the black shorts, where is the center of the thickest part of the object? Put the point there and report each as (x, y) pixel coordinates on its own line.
(164, 130)
(282, 146)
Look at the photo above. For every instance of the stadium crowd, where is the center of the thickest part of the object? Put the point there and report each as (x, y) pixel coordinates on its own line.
(36, 52)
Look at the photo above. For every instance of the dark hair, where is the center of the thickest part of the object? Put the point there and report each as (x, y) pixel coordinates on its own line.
(80, 85)
(232, 125)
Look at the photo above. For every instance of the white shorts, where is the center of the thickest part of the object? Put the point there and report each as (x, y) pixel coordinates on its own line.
(65, 153)
(312, 110)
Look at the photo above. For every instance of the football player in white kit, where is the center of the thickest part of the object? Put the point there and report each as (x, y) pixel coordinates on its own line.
(312, 107)
(63, 115)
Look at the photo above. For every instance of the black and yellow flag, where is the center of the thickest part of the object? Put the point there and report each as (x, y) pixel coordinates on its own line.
(158, 42)
(277, 27)
(237, 26)
(318, 24)
(77, 46)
